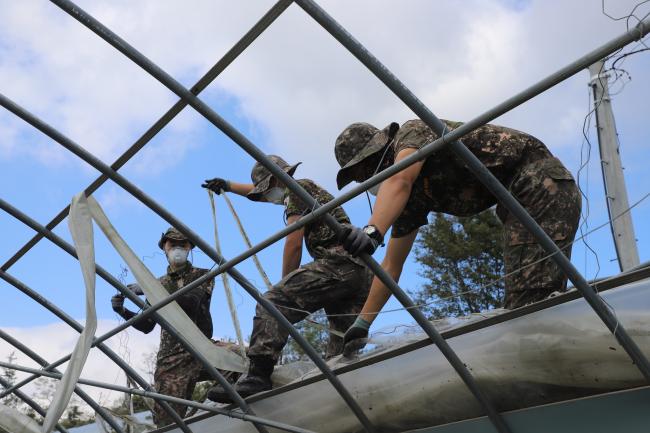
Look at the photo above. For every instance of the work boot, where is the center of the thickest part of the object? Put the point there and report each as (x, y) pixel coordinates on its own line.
(257, 380)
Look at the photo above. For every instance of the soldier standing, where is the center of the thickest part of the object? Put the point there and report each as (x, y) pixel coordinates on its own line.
(177, 371)
(442, 183)
(334, 281)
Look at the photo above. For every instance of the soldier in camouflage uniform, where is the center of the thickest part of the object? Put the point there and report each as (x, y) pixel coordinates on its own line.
(443, 183)
(334, 281)
(177, 371)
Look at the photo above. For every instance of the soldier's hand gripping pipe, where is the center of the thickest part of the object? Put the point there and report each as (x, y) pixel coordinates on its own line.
(117, 303)
(365, 240)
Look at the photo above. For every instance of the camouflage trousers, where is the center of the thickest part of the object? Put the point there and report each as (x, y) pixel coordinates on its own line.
(339, 285)
(549, 193)
(176, 375)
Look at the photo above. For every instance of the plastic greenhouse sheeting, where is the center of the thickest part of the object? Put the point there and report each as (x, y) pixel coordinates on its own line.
(555, 354)
(12, 421)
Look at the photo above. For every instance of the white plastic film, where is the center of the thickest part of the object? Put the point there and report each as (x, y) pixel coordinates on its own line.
(12, 421)
(552, 355)
(219, 357)
(80, 225)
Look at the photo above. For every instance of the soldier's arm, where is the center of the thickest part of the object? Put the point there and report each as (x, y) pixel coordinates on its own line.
(292, 254)
(191, 300)
(394, 193)
(145, 325)
(241, 188)
(396, 252)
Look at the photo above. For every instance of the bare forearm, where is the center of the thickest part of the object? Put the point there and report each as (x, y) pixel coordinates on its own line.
(377, 298)
(396, 253)
(291, 262)
(391, 200)
(292, 254)
(241, 188)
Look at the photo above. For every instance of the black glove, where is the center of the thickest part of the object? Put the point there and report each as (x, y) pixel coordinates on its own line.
(117, 302)
(354, 340)
(217, 185)
(135, 288)
(357, 241)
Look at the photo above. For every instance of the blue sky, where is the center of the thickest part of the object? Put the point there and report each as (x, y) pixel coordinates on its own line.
(291, 94)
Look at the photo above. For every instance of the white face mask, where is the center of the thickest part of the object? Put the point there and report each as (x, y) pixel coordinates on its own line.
(375, 189)
(177, 256)
(275, 195)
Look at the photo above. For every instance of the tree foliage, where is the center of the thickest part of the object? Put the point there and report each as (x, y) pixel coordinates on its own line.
(9, 376)
(316, 334)
(462, 261)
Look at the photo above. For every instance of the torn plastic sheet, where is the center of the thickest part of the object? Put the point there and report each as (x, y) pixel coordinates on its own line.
(219, 357)
(551, 355)
(82, 211)
(12, 421)
(80, 225)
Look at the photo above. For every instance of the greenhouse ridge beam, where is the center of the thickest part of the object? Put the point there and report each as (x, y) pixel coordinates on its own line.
(164, 78)
(130, 372)
(80, 392)
(206, 80)
(214, 373)
(31, 403)
(485, 176)
(160, 397)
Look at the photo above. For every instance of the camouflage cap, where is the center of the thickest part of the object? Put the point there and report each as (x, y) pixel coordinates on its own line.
(356, 144)
(261, 176)
(173, 233)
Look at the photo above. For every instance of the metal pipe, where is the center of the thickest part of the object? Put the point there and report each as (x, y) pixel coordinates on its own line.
(105, 33)
(483, 174)
(379, 179)
(213, 372)
(80, 392)
(130, 372)
(256, 153)
(31, 403)
(159, 397)
(210, 76)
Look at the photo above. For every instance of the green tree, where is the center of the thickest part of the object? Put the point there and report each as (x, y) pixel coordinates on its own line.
(9, 375)
(462, 260)
(74, 416)
(315, 333)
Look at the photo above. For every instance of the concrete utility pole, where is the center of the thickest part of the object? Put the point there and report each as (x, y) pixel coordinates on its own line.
(610, 159)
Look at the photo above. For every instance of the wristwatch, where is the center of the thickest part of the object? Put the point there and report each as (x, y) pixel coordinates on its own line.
(373, 232)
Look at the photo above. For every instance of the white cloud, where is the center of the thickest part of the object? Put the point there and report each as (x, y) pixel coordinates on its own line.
(295, 82)
(56, 340)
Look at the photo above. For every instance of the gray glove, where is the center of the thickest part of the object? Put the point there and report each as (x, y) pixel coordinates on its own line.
(117, 302)
(135, 288)
(355, 337)
(357, 241)
(217, 185)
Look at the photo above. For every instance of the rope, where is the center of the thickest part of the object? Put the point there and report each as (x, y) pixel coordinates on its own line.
(226, 282)
(247, 241)
(261, 269)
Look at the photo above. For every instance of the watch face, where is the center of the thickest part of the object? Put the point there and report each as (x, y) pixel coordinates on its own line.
(369, 230)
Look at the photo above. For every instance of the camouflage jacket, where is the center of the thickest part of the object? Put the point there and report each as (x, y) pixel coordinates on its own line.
(446, 185)
(196, 305)
(319, 238)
